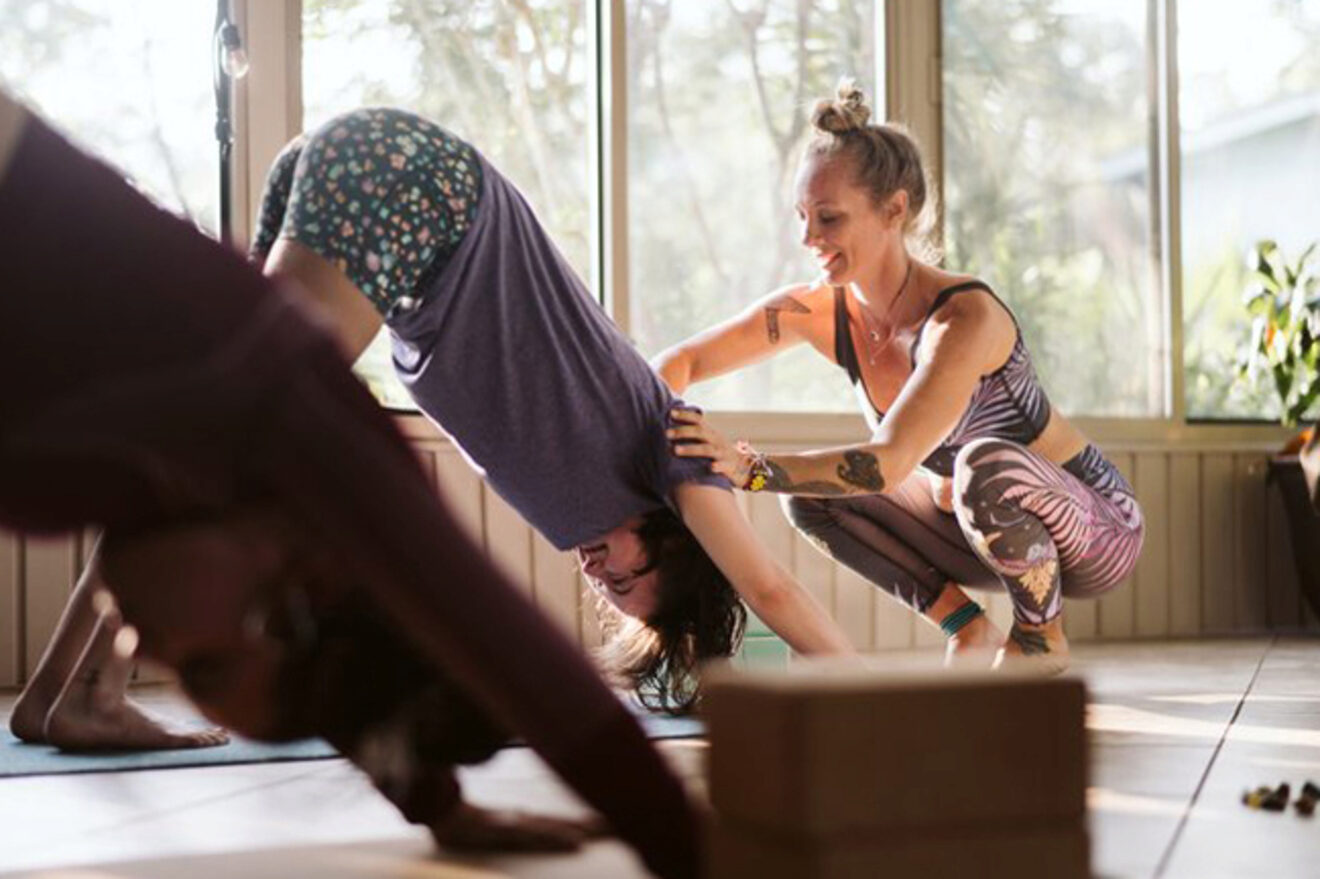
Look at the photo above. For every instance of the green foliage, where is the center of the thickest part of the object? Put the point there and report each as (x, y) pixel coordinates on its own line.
(1037, 103)
(1284, 301)
(1213, 335)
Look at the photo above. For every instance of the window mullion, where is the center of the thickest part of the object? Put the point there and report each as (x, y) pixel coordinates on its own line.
(268, 101)
(913, 80)
(1167, 196)
(610, 156)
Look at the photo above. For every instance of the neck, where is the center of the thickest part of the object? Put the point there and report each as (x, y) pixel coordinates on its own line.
(882, 292)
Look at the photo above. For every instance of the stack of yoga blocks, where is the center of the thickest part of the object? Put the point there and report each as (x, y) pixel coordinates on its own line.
(819, 772)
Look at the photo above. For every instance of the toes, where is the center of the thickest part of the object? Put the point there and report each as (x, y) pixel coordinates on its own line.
(208, 738)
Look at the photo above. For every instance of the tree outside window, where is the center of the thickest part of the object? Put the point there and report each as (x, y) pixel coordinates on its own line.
(1047, 188)
(509, 76)
(130, 82)
(719, 97)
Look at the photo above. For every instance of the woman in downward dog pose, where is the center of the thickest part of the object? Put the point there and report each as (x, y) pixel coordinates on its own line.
(380, 216)
(385, 217)
(269, 534)
(971, 479)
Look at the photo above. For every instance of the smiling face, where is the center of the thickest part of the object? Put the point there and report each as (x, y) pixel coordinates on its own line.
(848, 234)
(618, 568)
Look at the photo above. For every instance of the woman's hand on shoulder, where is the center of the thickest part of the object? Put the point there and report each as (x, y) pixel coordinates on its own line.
(691, 437)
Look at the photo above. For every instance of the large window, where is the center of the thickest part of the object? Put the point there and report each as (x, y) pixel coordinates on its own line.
(510, 78)
(1048, 127)
(1047, 187)
(1250, 150)
(1048, 155)
(129, 82)
(719, 96)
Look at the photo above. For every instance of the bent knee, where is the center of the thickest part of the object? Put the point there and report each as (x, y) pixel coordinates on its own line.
(979, 463)
(980, 452)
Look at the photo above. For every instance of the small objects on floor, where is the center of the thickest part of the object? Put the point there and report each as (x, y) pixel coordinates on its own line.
(1254, 798)
(1305, 804)
(1276, 799)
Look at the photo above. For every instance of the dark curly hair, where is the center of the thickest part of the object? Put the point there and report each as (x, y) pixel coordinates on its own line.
(698, 617)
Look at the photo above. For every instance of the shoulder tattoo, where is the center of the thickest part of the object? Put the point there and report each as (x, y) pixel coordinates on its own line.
(782, 303)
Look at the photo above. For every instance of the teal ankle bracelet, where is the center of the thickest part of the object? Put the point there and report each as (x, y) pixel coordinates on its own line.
(958, 620)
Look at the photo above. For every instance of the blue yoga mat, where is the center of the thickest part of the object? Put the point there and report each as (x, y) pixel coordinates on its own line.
(21, 758)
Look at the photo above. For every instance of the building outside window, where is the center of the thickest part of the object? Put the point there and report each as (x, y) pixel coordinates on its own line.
(1250, 138)
(1048, 155)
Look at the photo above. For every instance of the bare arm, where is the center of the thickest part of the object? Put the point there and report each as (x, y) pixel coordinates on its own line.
(967, 339)
(771, 592)
(775, 323)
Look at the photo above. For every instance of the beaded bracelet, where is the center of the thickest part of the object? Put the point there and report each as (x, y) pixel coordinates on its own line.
(758, 472)
(958, 620)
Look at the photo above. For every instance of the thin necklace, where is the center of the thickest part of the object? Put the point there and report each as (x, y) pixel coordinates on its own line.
(874, 341)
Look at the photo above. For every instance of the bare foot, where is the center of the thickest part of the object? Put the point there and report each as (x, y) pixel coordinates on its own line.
(83, 719)
(474, 829)
(1041, 650)
(974, 646)
(28, 719)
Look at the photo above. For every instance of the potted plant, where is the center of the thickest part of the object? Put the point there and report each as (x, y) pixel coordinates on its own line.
(1284, 301)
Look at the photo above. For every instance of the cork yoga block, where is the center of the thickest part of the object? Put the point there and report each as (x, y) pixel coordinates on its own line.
(1058, 850)
(817, 752)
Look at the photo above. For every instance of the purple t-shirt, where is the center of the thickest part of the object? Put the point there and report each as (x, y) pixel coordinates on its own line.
(509, 353)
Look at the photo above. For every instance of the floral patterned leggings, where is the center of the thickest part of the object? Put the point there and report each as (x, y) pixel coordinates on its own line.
(383, 195)
(1039, 530)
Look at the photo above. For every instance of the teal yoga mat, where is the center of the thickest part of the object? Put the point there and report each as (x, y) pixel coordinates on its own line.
(20, 758)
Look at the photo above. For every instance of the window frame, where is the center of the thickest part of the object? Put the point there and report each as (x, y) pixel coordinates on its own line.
(268, 112)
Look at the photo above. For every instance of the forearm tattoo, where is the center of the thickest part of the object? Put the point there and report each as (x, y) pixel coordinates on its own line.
(859, 474)
(780, 481)
(862, 469)
(783, 303)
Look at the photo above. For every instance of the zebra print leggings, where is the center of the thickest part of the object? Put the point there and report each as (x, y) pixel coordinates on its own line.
(1021, 523)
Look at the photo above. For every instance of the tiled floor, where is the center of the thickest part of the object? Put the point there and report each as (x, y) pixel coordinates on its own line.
(1178, 731)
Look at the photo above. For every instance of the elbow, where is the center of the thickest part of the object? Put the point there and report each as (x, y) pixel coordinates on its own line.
(895, 465)
(897, 475)
(767, 596)
(674, 366)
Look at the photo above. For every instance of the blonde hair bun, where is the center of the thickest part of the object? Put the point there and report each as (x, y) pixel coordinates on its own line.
(848, 111)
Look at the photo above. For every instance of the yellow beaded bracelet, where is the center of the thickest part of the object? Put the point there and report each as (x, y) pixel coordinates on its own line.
(759, 474)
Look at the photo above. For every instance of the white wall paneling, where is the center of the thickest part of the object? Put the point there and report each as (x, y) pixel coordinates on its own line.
(1217, 558)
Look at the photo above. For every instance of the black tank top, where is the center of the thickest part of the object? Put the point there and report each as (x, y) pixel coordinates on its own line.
(1008, 403)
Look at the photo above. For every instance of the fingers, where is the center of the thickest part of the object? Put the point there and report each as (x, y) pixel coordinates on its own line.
(693, 435)
(684, 415)
(472, 828)
(696, 450)
(689, 432)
